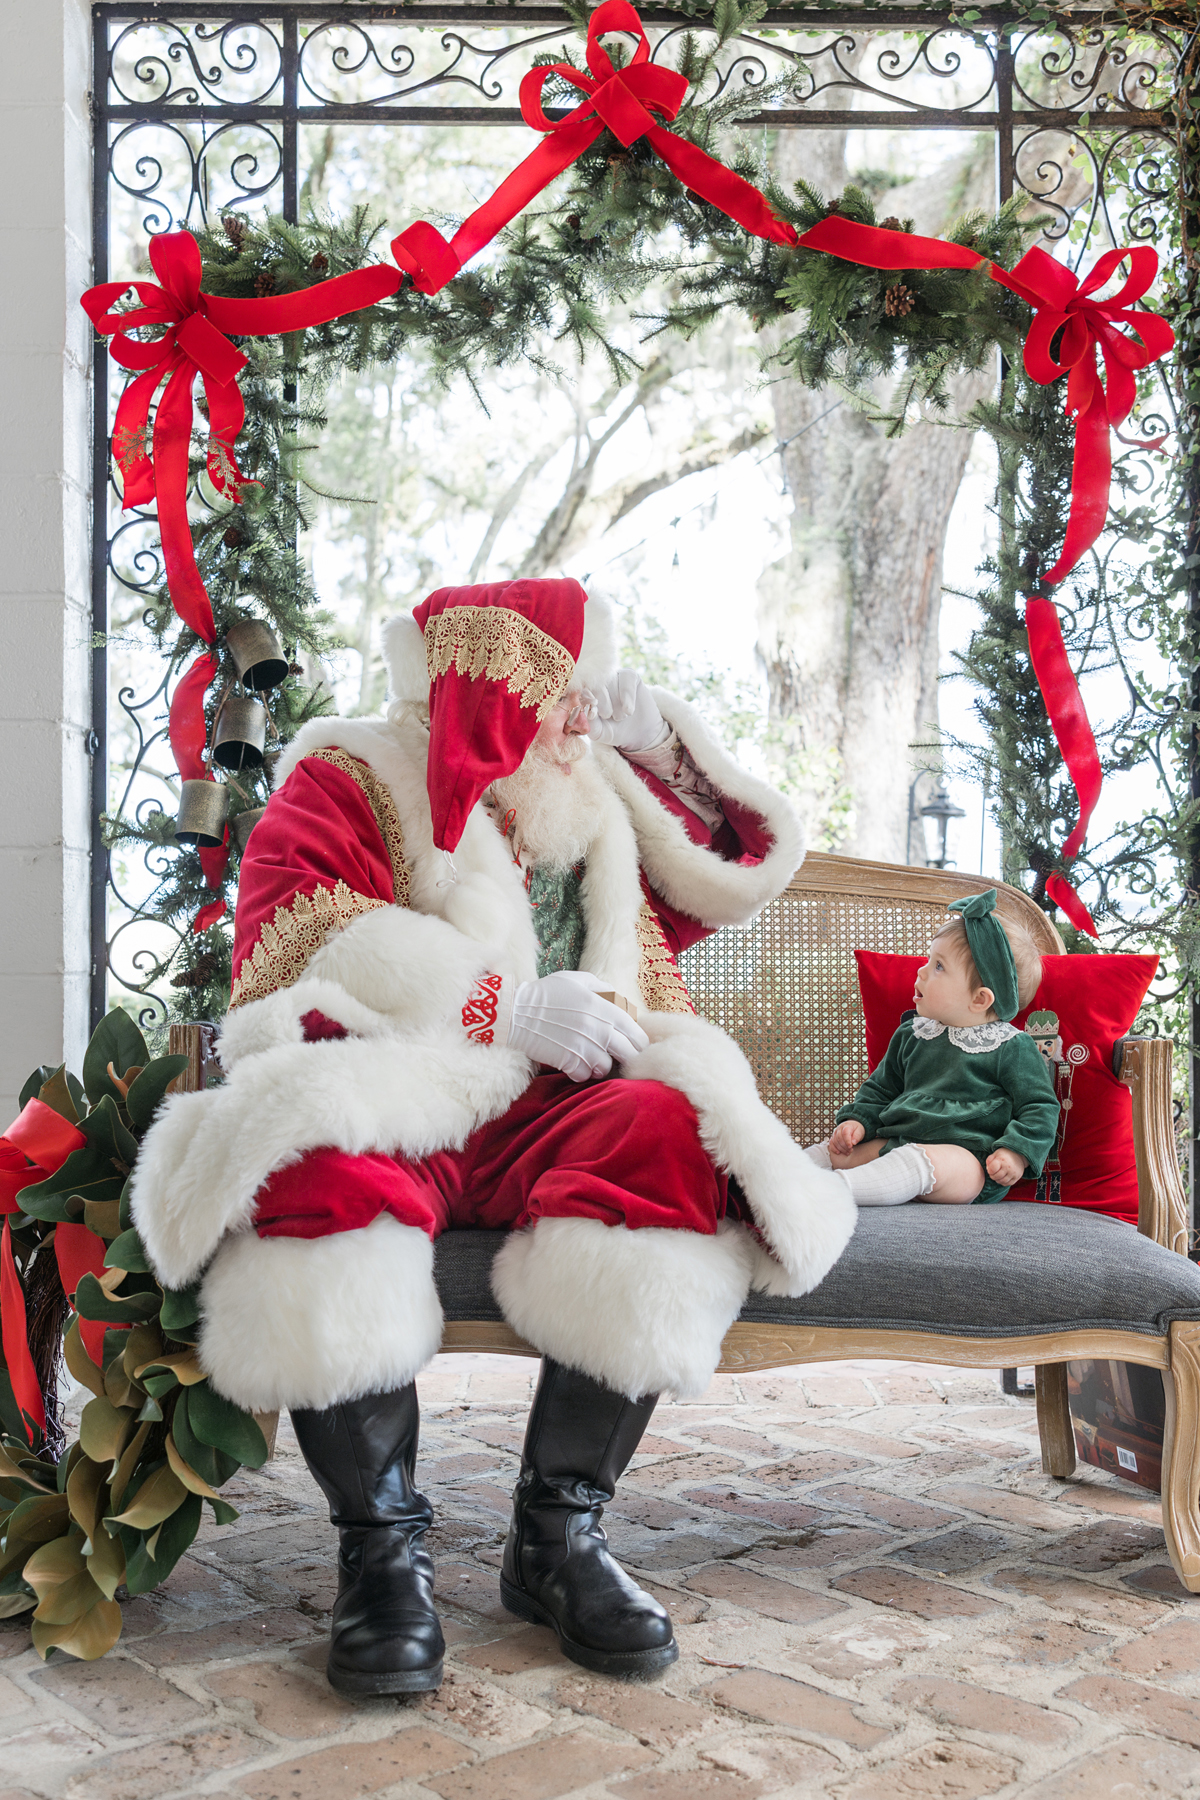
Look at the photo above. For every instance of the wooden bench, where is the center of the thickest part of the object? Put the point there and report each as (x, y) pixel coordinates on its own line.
(980, 1287)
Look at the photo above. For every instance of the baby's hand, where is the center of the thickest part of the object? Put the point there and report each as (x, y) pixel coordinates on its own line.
(1005, 1166)
(843, 1138)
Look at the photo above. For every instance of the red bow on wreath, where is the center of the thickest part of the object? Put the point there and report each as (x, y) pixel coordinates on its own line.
(35, 1146)
(623, 101)
(154, 466)
(1090, 330)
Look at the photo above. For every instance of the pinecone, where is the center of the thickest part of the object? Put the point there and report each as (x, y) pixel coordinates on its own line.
(232, 539)
(891, 223)
(320, 262)
(574, 222)
(264, 284)
(236, 229)
(295, 668)
(898, 301)
(200, 973)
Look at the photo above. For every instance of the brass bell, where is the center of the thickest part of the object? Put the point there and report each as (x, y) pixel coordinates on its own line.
(203, 809)
(244, 824)
(241, 733)
(256, 653)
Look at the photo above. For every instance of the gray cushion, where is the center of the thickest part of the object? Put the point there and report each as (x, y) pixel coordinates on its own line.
(974, 1271)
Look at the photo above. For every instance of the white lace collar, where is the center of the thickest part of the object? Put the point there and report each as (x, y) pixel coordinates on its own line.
(974, 1039)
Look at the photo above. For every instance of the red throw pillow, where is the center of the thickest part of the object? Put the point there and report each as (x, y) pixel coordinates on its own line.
(1097, 999)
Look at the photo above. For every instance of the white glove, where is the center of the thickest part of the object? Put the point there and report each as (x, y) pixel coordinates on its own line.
(561, 1020)
(625, 715)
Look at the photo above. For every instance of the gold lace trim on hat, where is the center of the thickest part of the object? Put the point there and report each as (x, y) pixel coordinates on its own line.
(659, 982)
(501, 644)
(288, 942)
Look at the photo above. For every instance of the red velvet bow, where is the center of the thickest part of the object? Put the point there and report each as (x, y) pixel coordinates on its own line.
(623, 101)
(155, 469)
(35, 1146)
(1089, 328)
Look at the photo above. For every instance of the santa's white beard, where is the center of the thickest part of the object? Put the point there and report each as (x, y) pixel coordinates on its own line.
(557, 800)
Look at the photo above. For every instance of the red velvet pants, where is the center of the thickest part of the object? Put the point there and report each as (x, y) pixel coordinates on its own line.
(625, 1152)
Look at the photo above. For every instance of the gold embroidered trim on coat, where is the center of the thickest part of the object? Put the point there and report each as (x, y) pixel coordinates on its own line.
(379, 799)
(501, 644)
(659, 981)
(288, 942)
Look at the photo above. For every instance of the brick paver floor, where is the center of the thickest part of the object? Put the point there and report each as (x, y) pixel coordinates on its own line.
(877, 1594)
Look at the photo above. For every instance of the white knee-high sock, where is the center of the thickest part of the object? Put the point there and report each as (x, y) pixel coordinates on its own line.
(903, 1174)
(819, 1153)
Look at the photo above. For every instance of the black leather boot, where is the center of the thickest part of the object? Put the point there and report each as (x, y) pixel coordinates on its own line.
(386, 1636)
(557, 1569)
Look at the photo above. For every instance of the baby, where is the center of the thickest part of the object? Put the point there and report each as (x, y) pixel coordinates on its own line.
(963, 1105)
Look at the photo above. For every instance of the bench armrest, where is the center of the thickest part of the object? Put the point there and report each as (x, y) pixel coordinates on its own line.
(1144, 1065)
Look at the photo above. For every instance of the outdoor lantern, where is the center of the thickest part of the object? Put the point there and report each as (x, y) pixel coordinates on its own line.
(256, 653)
(244, 824)
(942, 809)
(241, 733)
(200, 821)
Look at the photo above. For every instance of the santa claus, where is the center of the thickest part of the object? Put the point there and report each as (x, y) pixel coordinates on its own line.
(456, 1003)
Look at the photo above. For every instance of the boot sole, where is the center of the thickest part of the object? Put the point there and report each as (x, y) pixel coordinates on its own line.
(600, 1662)
(385, 1681)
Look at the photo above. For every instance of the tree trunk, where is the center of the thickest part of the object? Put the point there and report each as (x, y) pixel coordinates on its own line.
(848, 618)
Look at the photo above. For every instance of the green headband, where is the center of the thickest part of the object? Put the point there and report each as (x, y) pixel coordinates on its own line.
(990, 949)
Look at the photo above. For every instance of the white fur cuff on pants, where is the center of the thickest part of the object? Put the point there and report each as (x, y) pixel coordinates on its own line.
(315, 1321)
(642, 1311)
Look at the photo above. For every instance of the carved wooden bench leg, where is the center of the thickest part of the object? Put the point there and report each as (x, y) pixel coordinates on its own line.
(1054, 1420)
(1181, 1454)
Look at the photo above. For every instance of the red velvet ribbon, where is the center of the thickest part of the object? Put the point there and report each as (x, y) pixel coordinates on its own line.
(629, 102)
(1090, 329)
(192, 342)
(35, 1146)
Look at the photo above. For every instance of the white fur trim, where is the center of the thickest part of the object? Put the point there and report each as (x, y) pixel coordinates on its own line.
(688, 877)
(300, 1322)
(642, 1311)
(206, 1155)
(404, 655)
(805, 1213)
(598, 654)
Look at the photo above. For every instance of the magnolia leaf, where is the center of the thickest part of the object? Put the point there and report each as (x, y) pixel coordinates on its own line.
(151, 1410)
(84, 1486)
(142, 1344)
(87, 1637)
(158, 1385)
(105, 1130)
(104, 1430)
(56, 1094)
(102, 1216)
(88, 1172)
(181, 1363)
(12, 1604)
(53, 1564)
(194, 1483)
(33, 1522)
(150, 1086)
(154, 1501)
(118, 1041)
(34, 1084)
(12, 1471)
(127, 1252)
(223, 1513)
(80, 1363)
(180, 1309)
(214, 1467)
(119, 1388)
(106, 1563)
(175, 1535)
(91, 1302)
(226, 1427)
(128, 1463)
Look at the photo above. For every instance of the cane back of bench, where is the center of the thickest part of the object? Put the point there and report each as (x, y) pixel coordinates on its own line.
(786, 988)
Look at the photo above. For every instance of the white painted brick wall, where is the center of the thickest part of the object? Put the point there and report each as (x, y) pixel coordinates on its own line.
(45, 607)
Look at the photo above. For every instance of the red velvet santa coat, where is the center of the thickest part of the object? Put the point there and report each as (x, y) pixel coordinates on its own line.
(352, 914)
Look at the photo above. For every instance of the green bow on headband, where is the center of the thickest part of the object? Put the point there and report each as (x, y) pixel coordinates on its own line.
(990, 949)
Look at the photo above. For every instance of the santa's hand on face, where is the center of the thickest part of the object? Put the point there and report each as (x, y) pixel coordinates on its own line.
(428, 914)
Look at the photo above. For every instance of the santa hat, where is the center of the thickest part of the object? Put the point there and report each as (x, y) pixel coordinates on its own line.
(492, 660)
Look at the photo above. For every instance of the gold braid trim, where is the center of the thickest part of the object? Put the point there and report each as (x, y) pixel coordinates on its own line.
(659, 981)
(287, 943)
(292, 938)
(501, 644)
(379, 799)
